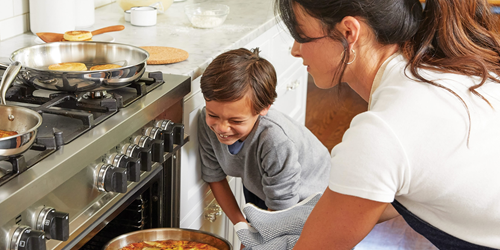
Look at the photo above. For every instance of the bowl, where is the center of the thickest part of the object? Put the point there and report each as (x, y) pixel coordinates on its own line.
(206, 15)
(160, 5)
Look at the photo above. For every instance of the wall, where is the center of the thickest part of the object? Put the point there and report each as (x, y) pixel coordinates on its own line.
(15, 20)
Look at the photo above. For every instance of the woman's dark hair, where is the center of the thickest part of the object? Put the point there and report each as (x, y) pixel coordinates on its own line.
(236, 73)
(452, 36)
(456, 36)
(392, 21)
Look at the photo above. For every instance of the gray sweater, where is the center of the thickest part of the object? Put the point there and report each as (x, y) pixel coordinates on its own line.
(281, 161)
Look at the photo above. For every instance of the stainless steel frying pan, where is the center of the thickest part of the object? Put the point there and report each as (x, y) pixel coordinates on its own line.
(24, 121)
(168, 234)
(36, 59)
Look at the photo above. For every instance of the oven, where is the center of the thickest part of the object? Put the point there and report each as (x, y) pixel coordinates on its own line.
(103, 164)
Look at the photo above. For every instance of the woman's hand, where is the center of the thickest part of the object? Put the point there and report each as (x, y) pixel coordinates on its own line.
(339, 222)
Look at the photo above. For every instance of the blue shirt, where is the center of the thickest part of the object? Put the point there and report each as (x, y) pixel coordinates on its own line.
(236, 147)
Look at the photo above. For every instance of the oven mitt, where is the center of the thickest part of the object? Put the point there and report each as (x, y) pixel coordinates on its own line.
(274, 230)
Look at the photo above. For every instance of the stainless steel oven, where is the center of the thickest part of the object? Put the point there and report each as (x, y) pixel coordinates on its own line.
(102, 164)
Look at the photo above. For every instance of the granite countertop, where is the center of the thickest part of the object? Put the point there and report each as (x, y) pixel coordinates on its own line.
(245, 22)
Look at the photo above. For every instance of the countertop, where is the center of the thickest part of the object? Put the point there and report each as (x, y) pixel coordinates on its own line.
(245, 22)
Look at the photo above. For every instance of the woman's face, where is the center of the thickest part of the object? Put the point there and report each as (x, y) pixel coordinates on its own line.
(321, 56)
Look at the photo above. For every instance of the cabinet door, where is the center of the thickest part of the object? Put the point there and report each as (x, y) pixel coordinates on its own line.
(213, 219)
(193, 188)
(292, 93)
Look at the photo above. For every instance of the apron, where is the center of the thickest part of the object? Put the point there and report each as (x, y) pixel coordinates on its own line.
(437, 237)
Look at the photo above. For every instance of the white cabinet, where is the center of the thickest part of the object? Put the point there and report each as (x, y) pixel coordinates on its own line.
(198, 206)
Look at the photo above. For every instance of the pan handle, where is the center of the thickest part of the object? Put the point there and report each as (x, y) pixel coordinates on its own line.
(8, 77)
(4, 65)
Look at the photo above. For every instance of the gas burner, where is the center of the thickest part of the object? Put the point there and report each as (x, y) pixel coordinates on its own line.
(103, 94)
(66, 116)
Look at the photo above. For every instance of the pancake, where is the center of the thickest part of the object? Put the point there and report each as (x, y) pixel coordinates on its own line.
(5, 133)
(105, 66)
(77, 35)
(64, 40)
(68, 67)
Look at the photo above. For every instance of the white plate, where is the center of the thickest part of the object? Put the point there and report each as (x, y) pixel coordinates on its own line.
(98, 38)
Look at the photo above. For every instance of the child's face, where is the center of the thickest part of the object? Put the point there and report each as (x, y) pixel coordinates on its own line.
(231, 121)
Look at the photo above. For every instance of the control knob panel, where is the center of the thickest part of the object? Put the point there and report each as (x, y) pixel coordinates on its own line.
(158, 146)
(146, 155)
(111, 178)
(132, 164)
(24, 238)
(55, 224)
(173, 133)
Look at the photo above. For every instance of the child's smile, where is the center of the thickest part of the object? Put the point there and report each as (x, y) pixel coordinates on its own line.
(231, 121)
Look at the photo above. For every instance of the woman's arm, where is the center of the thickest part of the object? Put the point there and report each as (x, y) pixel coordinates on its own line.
(389, 213)
(339, 222)
(226, 200)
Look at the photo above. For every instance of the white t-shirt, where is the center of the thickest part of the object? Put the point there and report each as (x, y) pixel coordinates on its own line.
(412, 145)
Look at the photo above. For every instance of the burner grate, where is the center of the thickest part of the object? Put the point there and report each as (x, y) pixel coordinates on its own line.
(66, 116)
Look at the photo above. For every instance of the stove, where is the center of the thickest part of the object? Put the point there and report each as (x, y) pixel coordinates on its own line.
(67, 116)
(93, 155)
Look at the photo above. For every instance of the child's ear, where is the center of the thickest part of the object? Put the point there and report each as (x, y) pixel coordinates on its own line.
(264, 111)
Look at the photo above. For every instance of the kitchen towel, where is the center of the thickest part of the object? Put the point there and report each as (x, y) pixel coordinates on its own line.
(271, 230)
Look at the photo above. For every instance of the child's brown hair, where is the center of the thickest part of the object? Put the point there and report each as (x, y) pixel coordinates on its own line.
(236, 73)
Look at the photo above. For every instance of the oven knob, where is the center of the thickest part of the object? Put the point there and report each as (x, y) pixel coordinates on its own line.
(133, 165)
(154, 132)
(167, 128)
(143, 141)
(158, 146)
(133, 150)
(179, 134)
(173, 133)
(158, 150)
(54, 224)
(163, 124)
(146, 143)
(111, 178)
(24, 238)
(129, 149)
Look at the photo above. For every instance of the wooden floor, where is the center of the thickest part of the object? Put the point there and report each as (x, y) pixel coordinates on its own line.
(330, 111)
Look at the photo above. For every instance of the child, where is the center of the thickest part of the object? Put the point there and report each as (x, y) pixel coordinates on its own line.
(279, 161)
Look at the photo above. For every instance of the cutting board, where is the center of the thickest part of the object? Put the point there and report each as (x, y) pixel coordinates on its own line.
(165, 55)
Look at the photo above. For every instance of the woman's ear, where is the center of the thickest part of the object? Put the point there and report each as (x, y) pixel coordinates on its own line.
(350, 27)
(264, 111)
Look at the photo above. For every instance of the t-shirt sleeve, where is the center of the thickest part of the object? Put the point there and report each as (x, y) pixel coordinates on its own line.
(211, 170)
(369, 162)
(281, 170)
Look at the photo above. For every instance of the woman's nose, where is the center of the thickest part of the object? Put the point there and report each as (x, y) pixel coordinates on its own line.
(296, 49)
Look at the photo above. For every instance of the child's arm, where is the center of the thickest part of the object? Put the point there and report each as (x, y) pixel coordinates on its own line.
(226, 200)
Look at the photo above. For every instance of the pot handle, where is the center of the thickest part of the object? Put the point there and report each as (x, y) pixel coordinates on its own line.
(4, 65)
(8, 77)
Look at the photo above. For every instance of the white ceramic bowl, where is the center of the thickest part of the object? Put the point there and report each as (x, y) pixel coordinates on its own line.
(160, 5)
(206, 15)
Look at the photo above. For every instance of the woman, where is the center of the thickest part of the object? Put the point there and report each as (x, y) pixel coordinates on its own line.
(429, 142)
